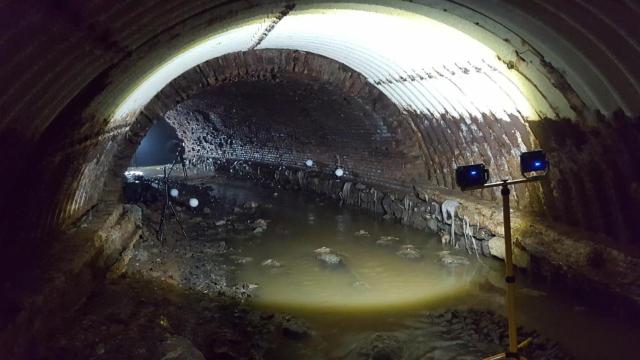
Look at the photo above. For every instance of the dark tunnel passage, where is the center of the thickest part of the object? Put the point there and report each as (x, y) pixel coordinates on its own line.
(395, 95)
(155, 148)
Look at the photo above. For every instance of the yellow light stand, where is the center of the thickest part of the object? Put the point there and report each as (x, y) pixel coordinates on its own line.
(510, 279)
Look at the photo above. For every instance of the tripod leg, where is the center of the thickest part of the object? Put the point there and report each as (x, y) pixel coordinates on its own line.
(178, 221)
(184, 167)
(173, 164)
(160, 231)
(161, 227)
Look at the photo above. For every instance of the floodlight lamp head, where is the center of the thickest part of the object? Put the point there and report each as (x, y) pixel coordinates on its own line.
(533, 163)
(471, 176)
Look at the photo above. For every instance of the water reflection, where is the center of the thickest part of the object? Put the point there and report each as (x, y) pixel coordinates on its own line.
(377, 290)
(374, 271)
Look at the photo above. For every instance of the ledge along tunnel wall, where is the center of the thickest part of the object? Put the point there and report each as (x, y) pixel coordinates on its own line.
(82, 91)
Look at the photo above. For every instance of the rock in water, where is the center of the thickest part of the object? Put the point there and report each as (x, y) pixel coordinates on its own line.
(452, 260)
(258, 230)
(260, 223)
(322, 250)
(241, 259)
(445, 238)
(360, 285)
(250, 205)
(271, 263)
(361, 233)
(259, 226)
(387, 240)
(409, 252)
(331, 260)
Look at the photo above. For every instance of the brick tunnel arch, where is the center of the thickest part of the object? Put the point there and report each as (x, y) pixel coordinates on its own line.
(471, 110)
(429, 144)
(435, 144)
(369, 136)
(69, 105)
(561, 78)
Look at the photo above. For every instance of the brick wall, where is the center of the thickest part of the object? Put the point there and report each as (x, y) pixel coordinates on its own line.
(292, 118)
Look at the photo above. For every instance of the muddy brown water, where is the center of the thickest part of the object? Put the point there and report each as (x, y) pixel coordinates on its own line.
(378, 291)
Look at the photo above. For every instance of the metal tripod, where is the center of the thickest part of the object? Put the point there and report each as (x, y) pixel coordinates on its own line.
(167, 200)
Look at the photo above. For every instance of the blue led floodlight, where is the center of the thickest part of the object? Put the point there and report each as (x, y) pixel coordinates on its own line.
(475, 177)
(471, 176)
(533, 161)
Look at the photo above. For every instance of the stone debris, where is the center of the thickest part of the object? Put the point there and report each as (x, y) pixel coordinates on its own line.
(331, 260)
(452, 260)
(409, 252)
(322, 250)
(359, 284)
(244, 290)
(361, 233)
(329, 257)
(260, 224)
(271, 263)
(387, 240)
(241, 259)
(250, 205)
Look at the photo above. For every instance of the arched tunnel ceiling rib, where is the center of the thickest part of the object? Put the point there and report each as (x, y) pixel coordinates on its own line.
(425, 66)
(422, 65)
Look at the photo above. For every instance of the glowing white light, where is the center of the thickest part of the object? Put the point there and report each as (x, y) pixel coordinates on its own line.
(421, 64)
(309, 163)
(174, 193)
(237, 39)
(133, 173)
(193, 202)
(339, 172)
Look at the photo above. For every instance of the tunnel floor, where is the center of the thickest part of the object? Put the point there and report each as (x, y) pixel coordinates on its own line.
(289, 275)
